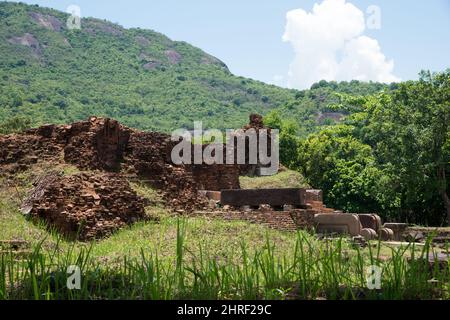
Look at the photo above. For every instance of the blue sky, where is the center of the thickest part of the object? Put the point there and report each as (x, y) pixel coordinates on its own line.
(247, 35)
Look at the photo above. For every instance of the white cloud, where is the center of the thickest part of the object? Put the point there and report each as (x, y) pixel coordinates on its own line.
(329, 45)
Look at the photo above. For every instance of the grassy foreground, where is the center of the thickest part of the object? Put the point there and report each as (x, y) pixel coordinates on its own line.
(204, 258)
(308, 269)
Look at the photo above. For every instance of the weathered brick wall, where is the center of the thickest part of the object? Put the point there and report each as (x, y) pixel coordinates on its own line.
(291, 220)
(255, 123)
(216, 177)
(104, 144)
(96, 144)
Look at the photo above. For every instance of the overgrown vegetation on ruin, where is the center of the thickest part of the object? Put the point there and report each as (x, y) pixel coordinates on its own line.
(284, 179)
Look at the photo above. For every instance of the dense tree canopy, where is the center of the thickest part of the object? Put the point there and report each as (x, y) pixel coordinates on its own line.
(391, 156)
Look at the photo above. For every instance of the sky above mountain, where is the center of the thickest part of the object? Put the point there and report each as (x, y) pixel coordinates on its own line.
(295, 43)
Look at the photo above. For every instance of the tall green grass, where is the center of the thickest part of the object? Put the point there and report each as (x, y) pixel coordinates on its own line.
(313, 270)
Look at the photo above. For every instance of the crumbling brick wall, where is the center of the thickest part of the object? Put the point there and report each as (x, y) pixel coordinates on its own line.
(219, 177)
(216, 177)
(96, 144)
(148, 156)
(256, 123)
(104, 144)
(291, 220)
(19, 152)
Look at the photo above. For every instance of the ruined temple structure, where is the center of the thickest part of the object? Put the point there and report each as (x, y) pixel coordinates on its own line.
(257, 124)
(217, 177)
(99, 200)
(104, 146)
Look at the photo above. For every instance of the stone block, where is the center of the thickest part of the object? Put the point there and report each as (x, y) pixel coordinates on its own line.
(386, 234)
(256, 197)
(341, 223)
(369, 234)
(371, 221)
(397, 228)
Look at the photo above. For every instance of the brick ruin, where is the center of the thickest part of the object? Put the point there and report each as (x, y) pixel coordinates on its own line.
(105, 145)
(112, 154)
(99, 200)
(217, 177)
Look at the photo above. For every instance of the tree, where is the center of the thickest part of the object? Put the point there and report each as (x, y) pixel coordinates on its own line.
(408, 131)
(392, 155)
(343, 167)
(289, 140)
(15, 124)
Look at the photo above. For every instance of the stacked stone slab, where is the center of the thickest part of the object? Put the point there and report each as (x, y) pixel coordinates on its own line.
(86, 205)
(257, 197)
(365, 225)
(283, 209)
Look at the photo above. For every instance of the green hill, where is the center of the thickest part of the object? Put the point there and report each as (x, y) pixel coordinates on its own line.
(49, 73)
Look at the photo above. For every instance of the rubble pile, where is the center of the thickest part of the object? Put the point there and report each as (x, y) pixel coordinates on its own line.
(86, 205)
(96, 144)
(19, 152)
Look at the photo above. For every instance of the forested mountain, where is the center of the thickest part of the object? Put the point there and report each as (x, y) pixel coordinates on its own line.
(49, 73)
